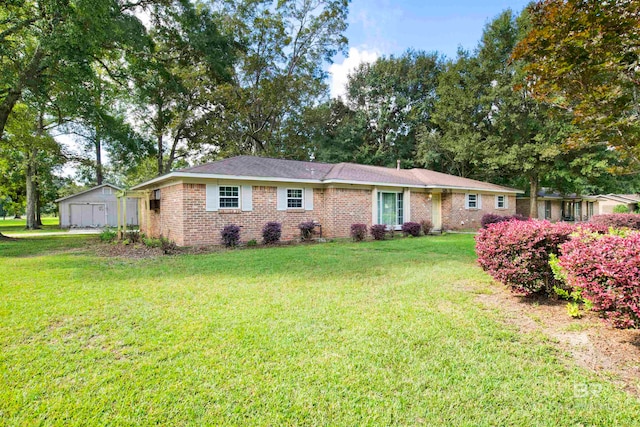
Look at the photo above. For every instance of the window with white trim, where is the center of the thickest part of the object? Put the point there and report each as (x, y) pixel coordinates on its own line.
(229, 197)
(294, 198)
(501, 202)
(471, 201)
(390, 208)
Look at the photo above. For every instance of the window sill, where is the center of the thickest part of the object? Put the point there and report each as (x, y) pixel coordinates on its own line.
(229, 211)
(296, 210)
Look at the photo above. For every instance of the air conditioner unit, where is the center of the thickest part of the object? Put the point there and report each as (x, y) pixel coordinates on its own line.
(154, 205)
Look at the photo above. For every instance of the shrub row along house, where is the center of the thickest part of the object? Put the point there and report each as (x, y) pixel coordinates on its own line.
(191, 206)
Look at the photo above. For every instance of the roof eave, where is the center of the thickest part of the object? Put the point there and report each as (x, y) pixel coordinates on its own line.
(178, 175)
(86, 191)
(172, 175)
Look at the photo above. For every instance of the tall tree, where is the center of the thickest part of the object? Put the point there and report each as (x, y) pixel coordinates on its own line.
(395, 97)
(100, 125)
(280, 74)
(582, 56)
(189, 56)
(489, 121)
(27, 136)
(454, 140)
(52, 43)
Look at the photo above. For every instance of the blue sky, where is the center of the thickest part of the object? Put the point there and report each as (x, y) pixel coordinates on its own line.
(386, 27)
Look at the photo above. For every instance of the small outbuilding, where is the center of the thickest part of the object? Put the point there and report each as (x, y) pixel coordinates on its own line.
(94, 208)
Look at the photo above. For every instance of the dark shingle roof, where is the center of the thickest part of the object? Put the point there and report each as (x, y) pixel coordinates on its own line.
(264, 167)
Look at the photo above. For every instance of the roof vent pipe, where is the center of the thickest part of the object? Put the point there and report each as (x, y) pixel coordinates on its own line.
(398, 164)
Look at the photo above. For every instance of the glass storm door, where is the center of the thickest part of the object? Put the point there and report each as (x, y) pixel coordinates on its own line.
(389, 209)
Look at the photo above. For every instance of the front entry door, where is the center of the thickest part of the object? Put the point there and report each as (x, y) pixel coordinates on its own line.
(436, 211)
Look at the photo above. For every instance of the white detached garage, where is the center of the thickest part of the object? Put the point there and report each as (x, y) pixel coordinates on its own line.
(95, 207)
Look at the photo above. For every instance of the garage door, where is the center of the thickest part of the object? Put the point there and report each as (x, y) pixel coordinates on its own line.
(87, 215)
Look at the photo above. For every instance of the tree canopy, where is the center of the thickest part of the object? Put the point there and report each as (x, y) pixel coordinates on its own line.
(582, 56)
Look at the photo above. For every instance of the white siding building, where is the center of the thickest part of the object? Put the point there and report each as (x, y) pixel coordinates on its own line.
(95, 207)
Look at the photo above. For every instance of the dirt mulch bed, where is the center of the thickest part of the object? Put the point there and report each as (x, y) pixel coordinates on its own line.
(140, 251)
(591, 342)
(131, 251)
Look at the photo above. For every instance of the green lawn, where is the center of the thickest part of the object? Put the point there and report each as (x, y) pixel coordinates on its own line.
(16, 226)
(379, 333)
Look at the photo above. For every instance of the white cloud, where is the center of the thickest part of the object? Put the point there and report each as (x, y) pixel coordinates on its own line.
(340, 72)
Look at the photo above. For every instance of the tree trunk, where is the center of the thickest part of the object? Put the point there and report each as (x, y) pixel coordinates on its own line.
(98, 145)
(31, 190)
(174, 148)
(7, 107)
(160, 164)
(27, 78)
(533, 198)
(159, 130)
(38, 206)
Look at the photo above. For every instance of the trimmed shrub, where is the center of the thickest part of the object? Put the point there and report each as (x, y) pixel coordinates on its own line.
(494, 219)
(271, 233)
(607, 270)
(133, 236)
(151, 242)
(306, 230)
(378, 231)
(230, 235)
(108, 235)
(168, 247)
(358, 232)
(516, 253)
(427, 226)
(411, 229)
(617, 220)
(617, 209)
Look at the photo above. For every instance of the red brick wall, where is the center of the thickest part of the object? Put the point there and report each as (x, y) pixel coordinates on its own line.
(184, 219)
(456, 217)
(344, 207)
(420, 207)
(203, 228)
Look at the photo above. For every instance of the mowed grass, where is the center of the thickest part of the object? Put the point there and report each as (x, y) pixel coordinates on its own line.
(17, 226)
(378, 333)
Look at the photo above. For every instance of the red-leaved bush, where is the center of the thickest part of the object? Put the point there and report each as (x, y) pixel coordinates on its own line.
(358, 232)
(378, 231)
(230, 235)
(621, 220)
(411, 229)
(306, 229)
(271, 233)
(516, 253)
(427, 226)
(494, 218)
(607, 269)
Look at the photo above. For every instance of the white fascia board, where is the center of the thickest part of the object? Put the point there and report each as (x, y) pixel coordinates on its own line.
(309, 181)
(428, 187)
(485, 190)
(86, 191)
(378, 184)
(224, 177)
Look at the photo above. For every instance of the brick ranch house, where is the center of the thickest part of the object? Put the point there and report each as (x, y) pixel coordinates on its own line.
(191, 206)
